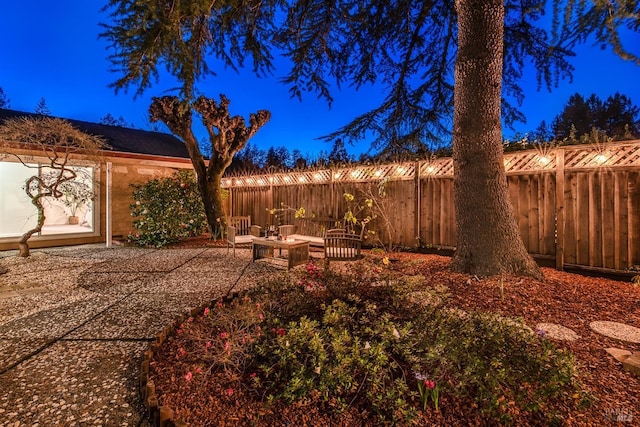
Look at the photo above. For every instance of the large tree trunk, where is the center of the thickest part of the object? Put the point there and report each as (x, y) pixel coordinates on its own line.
(489, 241)
(214, 208)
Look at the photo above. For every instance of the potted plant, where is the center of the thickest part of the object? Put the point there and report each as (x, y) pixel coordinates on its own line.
(75, 195)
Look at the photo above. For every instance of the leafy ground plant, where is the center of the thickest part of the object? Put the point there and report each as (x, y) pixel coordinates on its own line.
(360, 341)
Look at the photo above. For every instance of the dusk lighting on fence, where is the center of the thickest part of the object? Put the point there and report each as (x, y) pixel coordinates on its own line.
(601, 159)
(544, 160)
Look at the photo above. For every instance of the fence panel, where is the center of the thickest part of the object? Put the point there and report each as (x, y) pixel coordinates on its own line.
(598, 206)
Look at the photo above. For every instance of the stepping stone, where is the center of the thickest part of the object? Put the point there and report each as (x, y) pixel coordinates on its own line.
(630, 361)
(619, 354)
(557, 332)
(632, 364)
(616, 330)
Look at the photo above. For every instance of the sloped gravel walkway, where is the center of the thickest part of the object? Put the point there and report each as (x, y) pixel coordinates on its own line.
(74, 322)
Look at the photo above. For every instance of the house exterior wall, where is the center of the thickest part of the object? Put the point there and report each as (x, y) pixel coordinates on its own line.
(126, 169)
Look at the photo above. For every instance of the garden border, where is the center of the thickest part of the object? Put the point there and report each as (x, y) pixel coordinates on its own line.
(161, 415)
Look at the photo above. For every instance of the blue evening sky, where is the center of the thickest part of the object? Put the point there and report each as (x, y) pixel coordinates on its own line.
(51, 50)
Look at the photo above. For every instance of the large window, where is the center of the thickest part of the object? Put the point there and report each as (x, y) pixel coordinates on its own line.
(70, 214)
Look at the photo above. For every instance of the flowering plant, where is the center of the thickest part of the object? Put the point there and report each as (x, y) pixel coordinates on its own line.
(282, 214)
(358, 215)
(428, 390)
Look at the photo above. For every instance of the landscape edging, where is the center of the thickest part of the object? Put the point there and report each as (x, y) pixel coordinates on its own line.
(164, 416)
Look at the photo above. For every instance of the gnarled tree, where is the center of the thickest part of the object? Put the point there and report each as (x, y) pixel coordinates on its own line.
(57, 142)
(227, 135)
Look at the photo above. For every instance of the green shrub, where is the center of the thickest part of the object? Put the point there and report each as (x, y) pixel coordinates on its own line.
(166, 210)
(346, 358)
(362, 340)
(499, 362)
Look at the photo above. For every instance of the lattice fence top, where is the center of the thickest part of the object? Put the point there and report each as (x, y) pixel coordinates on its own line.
(538, 160)
(604, 155)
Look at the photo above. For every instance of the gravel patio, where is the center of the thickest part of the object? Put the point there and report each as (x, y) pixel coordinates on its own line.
(75, 321)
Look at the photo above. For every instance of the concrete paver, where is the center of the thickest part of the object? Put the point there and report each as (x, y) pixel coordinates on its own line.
(70, 351)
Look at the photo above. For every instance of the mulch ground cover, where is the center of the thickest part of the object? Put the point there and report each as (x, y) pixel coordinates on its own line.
(570, 300)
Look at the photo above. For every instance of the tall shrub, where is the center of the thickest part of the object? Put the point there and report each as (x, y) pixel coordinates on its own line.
(166, 210)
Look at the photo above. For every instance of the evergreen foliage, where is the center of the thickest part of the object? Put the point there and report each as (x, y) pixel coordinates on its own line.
(617, 117)
(5, 102)
(409, 47)
(42, 108)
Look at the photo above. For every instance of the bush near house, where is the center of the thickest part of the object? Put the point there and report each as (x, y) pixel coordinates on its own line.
(166, 210)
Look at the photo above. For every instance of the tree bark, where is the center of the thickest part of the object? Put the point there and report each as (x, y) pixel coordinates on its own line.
(489, 241)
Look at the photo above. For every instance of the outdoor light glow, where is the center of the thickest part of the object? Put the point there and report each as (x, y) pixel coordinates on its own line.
(354, 174)
(378, 172)
(301, 178)
(317, 177)
(544, 160)
(238, 182)
(401, 169)
(271, 179)
(287, 178)
(600, 159)
(431, 169)
(336, 175)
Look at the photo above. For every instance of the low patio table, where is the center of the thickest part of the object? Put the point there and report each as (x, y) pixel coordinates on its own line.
(297, 250)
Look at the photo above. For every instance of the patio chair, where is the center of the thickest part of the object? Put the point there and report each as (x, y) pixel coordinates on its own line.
(340, 245)
(240, 232)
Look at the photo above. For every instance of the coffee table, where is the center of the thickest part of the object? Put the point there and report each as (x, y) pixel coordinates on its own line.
(297, 250)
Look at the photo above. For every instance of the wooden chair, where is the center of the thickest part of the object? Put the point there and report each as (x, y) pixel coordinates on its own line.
(240, 231)
(341, 246)
(287, 230)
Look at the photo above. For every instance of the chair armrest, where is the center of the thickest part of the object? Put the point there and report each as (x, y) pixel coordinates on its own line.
(231, 233)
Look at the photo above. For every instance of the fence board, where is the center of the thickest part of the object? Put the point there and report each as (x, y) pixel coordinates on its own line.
(548, 234)
(582, 220)
(634, 219)
(607, 219)
(595, 220)
(571, 216)
(621, 220)
(427, 202)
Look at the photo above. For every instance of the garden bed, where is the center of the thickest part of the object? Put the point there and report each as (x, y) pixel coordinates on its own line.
(203, 396)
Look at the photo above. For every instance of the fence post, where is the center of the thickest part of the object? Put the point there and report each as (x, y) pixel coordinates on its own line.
(417, 194)
(560, 209)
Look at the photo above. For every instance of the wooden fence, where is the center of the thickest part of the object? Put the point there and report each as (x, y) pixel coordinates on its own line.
(579, 205)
